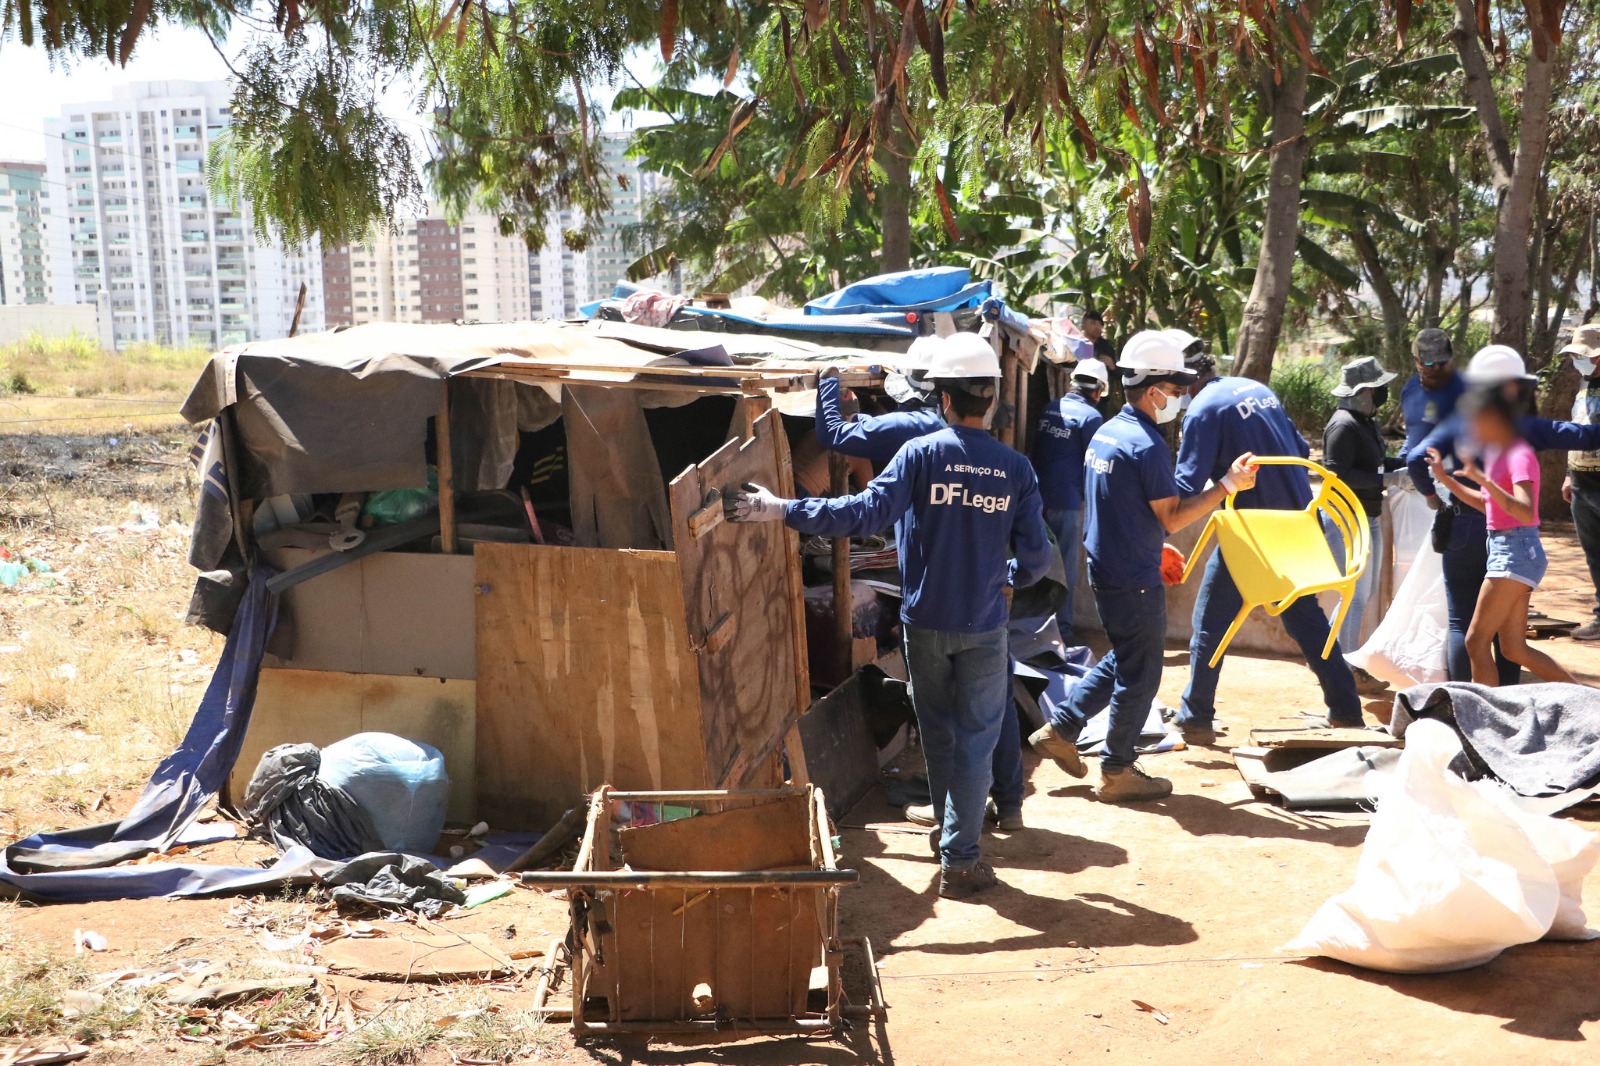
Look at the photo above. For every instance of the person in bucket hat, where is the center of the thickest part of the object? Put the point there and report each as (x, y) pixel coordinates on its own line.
(1353, 448)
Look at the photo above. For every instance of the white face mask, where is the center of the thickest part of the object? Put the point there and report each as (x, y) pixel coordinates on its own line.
(1584, 365)
(1170, 411)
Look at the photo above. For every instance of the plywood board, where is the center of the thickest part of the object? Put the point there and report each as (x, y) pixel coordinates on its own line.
(766, 836)
(402, 613)
(584, 678)
(319, 707)
(741, 610)
(841, 757)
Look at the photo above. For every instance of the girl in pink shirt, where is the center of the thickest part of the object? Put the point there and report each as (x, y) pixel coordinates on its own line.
(1505, 487)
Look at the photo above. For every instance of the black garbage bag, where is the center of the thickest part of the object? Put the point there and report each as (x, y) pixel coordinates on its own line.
(391, 881)
(287, 803)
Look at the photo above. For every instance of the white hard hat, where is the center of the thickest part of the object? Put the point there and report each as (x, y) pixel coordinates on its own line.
(1496, 364)
(910, 381)
(963, 355)
(1091, 369)
(1152, 353)
(1183, 338)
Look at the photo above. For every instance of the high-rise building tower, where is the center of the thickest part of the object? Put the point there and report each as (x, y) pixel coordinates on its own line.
(138, 221)
(26, 273)
(611, 252)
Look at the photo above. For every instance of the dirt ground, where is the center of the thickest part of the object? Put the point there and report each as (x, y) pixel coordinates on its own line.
(1180, 904)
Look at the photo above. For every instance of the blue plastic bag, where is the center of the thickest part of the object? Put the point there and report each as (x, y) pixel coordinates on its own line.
(400, 784)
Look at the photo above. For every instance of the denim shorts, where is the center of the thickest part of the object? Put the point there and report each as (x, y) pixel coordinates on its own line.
(1518, 555)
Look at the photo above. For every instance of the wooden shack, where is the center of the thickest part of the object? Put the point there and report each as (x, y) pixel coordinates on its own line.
(576, 612)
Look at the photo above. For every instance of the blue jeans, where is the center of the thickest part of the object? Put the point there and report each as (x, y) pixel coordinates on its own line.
(1215, 606)
(1126, 678)
(961, 691)
(1009, 781)
(1067, 525)
(1350, 630)
(1465, 562)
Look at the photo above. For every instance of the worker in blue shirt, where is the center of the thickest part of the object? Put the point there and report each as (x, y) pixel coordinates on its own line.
(1058, 447)
(1460, 534)
(1227, 416)
(876, 438)
(964, 503)
(1429, 395)
(1131, 502)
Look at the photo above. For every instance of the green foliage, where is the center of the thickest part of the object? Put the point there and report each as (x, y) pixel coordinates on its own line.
(1304, 387)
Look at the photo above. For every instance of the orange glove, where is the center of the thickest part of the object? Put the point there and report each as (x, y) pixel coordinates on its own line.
(1172, 563)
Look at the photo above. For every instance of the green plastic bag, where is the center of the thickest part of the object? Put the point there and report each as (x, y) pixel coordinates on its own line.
(393, 506)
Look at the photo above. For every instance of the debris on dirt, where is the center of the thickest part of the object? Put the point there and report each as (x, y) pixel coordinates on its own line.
(1148, 1009)
(75, 1003)
(236, 991)
(419, 957)
(87, 940)
(42, 1054)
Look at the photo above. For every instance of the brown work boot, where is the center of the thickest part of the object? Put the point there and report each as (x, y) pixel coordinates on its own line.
(959, 884)
(1130, 786)
(1065, 753)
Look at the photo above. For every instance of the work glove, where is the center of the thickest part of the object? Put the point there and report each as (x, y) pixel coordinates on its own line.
(1172, 562)
(754, 504)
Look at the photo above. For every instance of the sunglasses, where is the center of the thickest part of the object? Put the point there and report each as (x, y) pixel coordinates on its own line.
(1434, 362)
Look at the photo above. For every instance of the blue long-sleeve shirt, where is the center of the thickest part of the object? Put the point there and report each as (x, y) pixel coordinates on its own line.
(1542, 433)
(1232, 416)
(875, 438)
(964, 502)
(1425, 408)
(1126, 468)
(1058, 447)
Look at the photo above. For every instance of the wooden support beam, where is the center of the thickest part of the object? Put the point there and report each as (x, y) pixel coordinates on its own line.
(447, 481)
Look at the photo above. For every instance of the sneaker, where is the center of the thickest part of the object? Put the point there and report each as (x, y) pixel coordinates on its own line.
(1590, 630)
(1006, 822)
(1131, 786)
(960, 884)
(1367, 685)
(1047, 741)
(920, 814)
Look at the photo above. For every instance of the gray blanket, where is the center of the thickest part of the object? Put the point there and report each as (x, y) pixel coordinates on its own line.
(1539, 739)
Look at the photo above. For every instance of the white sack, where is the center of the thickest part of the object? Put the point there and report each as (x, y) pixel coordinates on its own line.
(1410, 644)
(1450, 875)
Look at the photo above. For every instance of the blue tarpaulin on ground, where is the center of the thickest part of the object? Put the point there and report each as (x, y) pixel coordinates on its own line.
(927, 289)
(182, 785)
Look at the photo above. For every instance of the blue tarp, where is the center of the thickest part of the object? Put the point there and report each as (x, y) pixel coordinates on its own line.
(182, 785)
(928, 289)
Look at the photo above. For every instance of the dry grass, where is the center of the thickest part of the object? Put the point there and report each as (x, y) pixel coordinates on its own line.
(76, 366)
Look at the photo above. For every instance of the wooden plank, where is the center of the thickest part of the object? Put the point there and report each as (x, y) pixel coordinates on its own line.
(840, 754)
(584, 678)
(1323, 738)
(447, 475)
(319, 707)
(796, 592)
(748, 693)
(764, 836)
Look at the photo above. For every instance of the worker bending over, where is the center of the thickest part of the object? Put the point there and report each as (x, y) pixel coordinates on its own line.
(1228, 416)
(1131, 502)
(962, 502)
(1058, 450)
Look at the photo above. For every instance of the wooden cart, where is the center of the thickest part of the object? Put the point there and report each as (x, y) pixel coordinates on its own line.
(709, 924)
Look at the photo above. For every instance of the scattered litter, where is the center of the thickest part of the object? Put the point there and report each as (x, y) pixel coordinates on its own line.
(87, 940)
(478, 830)
(66, 672)
(75, 1003)
(236, 991)
(456, 851)
(473, 869)
(290, 967)
(492, 890)
(1148, 1009)
(42, 1054)
(72, 769)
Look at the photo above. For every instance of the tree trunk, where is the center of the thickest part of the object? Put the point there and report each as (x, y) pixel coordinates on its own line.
(1389, 301)
(1516, 178)
(1262, 322)
(894, 198)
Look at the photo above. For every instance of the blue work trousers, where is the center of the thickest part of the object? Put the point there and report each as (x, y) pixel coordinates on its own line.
(1215, 606)
(1366, 585)
(1067, 525)
(1466, 562)
(961, 691)
(1126, 678)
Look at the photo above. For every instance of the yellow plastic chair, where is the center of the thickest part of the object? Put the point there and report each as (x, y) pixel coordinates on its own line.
(1276, 557)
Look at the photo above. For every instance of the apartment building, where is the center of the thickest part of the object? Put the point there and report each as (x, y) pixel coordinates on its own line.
(433, 270)
(134, 217)
(27, 275)
(558, 277)
(611, 252)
